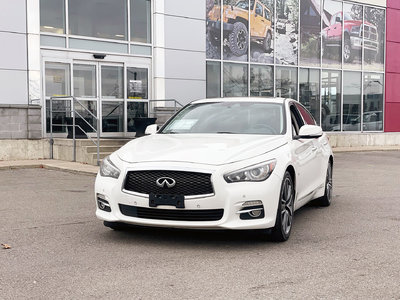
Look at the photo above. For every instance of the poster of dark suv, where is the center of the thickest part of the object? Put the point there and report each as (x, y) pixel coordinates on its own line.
(287, 17)
(213, 29)
(262, 31)
(310, 32)
(374, 38)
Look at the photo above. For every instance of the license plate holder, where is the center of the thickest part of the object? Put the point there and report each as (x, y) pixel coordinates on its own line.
(172, 200)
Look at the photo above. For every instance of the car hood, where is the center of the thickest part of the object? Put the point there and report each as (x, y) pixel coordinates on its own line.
(210, 149)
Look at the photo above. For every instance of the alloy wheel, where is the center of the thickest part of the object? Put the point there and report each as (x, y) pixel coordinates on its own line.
(287, 205)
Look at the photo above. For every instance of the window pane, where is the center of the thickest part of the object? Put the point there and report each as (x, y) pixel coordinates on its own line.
(331, 100)
(97, 45)
(373, 102)
(141, 21)
(61, 115)
(112, 116)
(352, 44)
(351, 101)
(287, 13)
(112, 82)
(310, 91)
(213, 79)
(52, 41)
(52, 16)
(57, 79)
(262, 31)
(310, 30)
(236, 30)
(136, 111)
(98, 18)
(137, 83)
(332, 34)
(374, 38)
(261, 81)
(235, 80)
(84, 81)
(286, 82)
(82, 108)
(213, 28)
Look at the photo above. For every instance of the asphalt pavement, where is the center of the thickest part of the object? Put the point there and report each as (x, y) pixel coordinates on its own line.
(59, 250)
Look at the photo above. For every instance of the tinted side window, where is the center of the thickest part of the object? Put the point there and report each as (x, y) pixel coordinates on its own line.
(297, 121)
(306, 115)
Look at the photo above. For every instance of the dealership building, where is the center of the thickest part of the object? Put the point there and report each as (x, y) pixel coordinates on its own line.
(119, 62)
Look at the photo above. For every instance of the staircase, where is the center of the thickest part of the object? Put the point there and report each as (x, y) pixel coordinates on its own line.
(86, 151)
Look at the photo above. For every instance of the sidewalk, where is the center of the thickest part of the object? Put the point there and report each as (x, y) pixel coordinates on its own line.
(51, 164)
(80, 168)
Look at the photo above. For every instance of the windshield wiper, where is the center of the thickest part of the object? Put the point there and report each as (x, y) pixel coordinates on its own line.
(226, 132)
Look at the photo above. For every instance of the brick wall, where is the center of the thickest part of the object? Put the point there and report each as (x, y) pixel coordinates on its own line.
(20, 122)
(392, 76)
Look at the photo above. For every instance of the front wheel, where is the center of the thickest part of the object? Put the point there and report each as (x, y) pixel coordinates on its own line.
(284, 215)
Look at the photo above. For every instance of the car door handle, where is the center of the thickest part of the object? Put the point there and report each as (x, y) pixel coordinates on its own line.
(314, 149)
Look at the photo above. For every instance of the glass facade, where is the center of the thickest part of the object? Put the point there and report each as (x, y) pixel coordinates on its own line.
(327, 54)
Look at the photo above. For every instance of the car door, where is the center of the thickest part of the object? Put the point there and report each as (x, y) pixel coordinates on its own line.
(304, 155)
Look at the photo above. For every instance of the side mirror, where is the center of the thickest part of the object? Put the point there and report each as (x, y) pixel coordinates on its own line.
(309, 132)
(151, 129)
(338, 20)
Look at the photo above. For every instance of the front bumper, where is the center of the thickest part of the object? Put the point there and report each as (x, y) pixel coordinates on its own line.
(228, 196)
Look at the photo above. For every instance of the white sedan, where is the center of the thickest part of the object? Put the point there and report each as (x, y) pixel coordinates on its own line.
(231, 163)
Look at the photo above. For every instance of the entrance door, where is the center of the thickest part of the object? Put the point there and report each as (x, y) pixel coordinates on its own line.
(115, 92)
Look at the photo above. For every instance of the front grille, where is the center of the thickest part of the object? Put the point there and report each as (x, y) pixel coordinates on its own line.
(172, 214)
(187, 183)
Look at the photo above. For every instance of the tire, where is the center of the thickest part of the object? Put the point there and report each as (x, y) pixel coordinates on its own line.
(238, 39)
(114, 225)
(348, 53)
(326, 199)
(285, 212)
(267, 42)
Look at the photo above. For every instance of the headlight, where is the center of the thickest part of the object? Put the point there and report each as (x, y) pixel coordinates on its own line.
(258, 172)
(108, 169)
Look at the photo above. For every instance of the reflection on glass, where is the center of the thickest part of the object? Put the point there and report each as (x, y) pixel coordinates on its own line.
(236, 29)
(85, 109)
(310, 30)
(52, 16)
(332, 34)
(374, 38)
(213, 73)
(373, 102)
(286, 82)
(352, 45)
(112, 116)
(57, 79)
(112, 82)
(84, 81)
(141, 21)
(61, 115)
(213, 28)
(331, 100)
(261, 31)
(310, 91)
(351, 101)
(98, 18)
(137, 83)
(261, 81)
(235, 80)
(287, 13)
(136, 111)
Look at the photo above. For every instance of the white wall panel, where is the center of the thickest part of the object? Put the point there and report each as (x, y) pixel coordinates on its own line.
(196, 9)
(13, 16)
(185, 64)
(13, 87)
(185, 91)
(13, 51)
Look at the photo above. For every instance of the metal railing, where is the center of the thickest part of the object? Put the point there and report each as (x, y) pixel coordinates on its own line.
(152, 107)
(72, 111)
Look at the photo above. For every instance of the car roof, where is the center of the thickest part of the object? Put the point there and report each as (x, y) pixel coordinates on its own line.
(244, 99)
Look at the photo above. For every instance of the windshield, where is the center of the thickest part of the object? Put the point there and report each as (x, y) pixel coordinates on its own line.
(229, 117)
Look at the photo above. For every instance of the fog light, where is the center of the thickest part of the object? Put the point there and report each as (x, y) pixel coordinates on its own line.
(255, 213)
(252, 203)
(103, 204)
(253, 209)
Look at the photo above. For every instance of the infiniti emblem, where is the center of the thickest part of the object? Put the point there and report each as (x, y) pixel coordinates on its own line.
(165, 182)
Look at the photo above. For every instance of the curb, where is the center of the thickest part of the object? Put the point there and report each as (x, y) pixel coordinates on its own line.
(49, 167)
